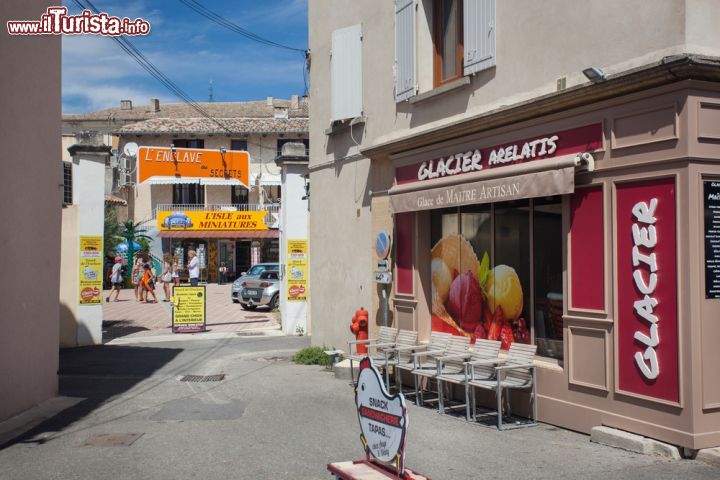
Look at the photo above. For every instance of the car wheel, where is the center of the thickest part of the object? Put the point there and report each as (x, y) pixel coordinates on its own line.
(248, 307)
(274, 302)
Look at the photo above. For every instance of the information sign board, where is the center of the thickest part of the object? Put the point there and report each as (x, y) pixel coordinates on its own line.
(188, 315)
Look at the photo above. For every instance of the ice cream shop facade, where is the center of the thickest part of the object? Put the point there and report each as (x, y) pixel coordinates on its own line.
(592, 232)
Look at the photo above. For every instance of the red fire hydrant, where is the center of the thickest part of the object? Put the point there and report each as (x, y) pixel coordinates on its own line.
(359, 328)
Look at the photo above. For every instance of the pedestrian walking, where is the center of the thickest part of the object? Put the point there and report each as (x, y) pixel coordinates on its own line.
(222, 273)
(116, 279)
(175, 272)
(137, 274)
(194, 268)
(166, 275)
(148, 284)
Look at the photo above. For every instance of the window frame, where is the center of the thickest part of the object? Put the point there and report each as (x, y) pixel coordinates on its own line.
(438, 59)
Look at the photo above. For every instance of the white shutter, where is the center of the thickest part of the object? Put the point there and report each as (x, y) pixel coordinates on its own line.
(346, 73)
(479, 41)
(404, 49)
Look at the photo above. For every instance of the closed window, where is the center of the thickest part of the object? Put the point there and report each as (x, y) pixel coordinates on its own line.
(448, 40)
(346, 73)
(189, 143)
(238, 145)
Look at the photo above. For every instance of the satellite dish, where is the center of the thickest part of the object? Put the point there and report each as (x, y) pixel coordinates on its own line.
(130, 149)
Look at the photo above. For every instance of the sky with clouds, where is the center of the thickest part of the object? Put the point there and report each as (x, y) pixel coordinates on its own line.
(190, 50)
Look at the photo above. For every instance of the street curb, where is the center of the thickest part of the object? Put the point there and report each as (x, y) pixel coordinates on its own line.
(29, 419)
(634, 443)
(342, 370)
(181, 337)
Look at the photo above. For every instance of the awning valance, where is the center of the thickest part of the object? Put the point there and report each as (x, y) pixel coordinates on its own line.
(272, 233)
(192, 180)
(526, 180)
(171, 180)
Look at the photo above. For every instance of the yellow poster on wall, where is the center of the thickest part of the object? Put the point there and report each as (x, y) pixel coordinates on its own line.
(297, 271)
(91, 270)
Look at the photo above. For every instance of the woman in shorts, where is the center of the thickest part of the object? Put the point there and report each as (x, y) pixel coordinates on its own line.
(116, 279)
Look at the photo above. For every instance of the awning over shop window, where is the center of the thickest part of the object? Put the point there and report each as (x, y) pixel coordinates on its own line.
(219, 234)
(193, 180)
(526, 180)
(171, 180)
(220, 181)
(266, 179)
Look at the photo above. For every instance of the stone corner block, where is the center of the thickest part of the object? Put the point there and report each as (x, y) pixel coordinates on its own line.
(633, 443)
(709, 455)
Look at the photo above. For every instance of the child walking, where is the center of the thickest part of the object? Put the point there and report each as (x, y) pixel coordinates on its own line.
(148, 284)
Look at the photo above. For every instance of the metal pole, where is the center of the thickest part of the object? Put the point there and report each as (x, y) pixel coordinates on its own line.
(385, 306)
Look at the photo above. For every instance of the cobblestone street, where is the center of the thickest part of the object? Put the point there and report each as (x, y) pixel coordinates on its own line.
(130, 318)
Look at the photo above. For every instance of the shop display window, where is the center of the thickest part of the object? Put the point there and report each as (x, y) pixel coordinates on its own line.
(497, 272)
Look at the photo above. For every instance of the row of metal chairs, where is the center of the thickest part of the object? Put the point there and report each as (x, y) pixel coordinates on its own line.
(450, 359)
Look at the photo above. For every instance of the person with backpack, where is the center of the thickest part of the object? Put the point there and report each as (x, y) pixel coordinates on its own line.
(116, 279)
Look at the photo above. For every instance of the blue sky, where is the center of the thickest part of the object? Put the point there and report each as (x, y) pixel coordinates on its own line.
(190, 50)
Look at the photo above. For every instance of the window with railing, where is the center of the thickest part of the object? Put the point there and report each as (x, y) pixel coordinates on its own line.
(239, 195)
(67, 183)
(189, 194)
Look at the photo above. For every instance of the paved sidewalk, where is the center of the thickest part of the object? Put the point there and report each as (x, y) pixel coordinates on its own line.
(129, 318)
(271, 419)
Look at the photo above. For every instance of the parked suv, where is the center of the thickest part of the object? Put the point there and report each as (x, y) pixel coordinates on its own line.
(252, 274)
(262, 292)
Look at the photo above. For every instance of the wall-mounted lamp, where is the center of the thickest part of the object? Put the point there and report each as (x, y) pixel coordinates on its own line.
(594, 74)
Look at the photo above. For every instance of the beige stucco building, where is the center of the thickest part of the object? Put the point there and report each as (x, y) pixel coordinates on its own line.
(258, 127)
(576, 150)
(30, 131)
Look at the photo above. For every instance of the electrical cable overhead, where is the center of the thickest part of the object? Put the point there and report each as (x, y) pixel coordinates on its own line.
(147, 65)
(220, 20)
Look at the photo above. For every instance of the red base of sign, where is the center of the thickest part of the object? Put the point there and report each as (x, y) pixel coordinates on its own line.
(189, 329)
(367, 470)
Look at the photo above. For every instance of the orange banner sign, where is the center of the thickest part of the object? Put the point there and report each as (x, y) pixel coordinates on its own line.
(192, 163)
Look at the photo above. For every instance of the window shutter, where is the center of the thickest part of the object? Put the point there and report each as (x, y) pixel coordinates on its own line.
(479, 41)
(346, 73)
(404, 49)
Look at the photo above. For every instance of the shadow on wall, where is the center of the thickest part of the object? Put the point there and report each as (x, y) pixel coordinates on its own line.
(380, 310)
(339, 145)
(96, 374)
(343, 140)
(454, 102)
(68, 326)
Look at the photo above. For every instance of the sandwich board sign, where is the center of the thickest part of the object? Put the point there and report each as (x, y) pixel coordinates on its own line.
(189, 309)
(383, 418)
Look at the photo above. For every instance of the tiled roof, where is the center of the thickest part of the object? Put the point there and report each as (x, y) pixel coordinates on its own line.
(204, 126)
(255, 109)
